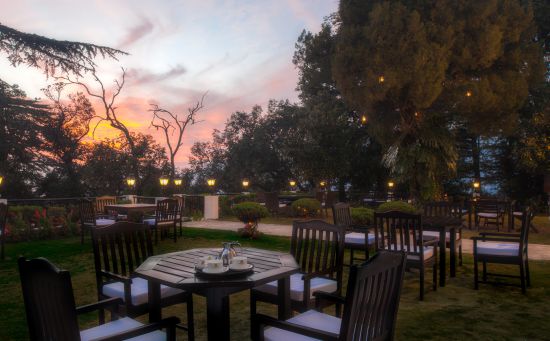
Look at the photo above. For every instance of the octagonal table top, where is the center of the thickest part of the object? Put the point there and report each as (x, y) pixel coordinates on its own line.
(177, 269)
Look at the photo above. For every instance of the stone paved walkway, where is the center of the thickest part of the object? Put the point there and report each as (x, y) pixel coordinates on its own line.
(536, 251)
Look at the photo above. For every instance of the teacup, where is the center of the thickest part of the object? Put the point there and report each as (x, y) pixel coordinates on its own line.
(214, 265)
(203, 260)
(238, 262)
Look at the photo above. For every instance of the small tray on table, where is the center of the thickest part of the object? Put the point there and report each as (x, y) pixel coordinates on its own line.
(229, 273)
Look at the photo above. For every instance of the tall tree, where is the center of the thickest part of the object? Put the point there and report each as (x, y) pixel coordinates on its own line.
(63, 131)
(418, 69)
(171, 124)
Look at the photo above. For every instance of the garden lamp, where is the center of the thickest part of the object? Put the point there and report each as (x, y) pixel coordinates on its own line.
(178, 182)
(163, 181)
(246, 183)
(292, 183)
(131, 182)
(211, 182)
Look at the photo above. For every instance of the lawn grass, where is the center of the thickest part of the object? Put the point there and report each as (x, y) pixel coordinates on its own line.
(455, 312)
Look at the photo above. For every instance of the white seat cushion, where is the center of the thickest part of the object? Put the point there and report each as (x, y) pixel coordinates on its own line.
(428, 252)
(297, 286)
(436, 234)
(358, 238)
(120, 325)
(517, 214)
(140, 290)
(311, 319)
(487, 215)
(497, 248)
(150, 221)
(104, 222)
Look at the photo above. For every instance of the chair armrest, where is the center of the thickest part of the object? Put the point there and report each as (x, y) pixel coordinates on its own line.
(116, 277)
(261, 319)
(430, 242)
(169, 322)
(103, 304)
(475, 239)
(321, 295)
(513, 235)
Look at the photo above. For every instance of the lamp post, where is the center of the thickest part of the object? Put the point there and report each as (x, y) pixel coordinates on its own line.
(391, 184)
(292, 184)
(1, 181)
(178, 183)
(131, 182)
(476, 192)
(211, 183)
(245, 184)
(163, 183)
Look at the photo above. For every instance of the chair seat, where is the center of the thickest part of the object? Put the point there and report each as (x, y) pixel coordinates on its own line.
(436, 234)
(118, 326)
(297, 286)
(487, 215)
(428, 252)
(358, 238)
(152, 221)
(517, 214)
(311, 319)
(497, 248)
(139, 289)
(104, 222)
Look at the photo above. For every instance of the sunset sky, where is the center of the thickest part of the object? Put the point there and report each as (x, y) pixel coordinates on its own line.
(240, 51)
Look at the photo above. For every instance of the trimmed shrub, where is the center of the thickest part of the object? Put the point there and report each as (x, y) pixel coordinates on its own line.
(249, 211)
(362, 216)
(400, 206)
(306, 207)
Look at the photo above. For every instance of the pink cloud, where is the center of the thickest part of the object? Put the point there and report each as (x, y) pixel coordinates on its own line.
(136, 33)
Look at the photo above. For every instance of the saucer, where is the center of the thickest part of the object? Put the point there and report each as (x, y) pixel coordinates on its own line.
(246, 268)
(209, 271)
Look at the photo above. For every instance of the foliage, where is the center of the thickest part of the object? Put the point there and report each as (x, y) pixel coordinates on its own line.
(483, 49)
(400, 206)
(362, 216)
(249, 211)
(306, 207)
(50, 54)
(31, 222)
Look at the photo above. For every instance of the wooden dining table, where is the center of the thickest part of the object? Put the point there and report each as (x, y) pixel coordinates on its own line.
(178, 270)
(444, 224)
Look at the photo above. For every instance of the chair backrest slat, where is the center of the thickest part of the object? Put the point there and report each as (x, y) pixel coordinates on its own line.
(341, 215)
(443, 209)
(398, 231)
(101, 202)
(372, 298)
(167, 210)
(120, 248)
(87, 212)
(318, 246)
(49, 301)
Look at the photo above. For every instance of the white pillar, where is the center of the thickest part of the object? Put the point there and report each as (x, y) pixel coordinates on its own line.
(211, 207)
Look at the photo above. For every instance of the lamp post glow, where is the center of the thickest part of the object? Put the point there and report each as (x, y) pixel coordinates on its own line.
(468, 93)
(322, 183)
(211, 182)
(476, 185)
(364, 119)
(381, 79)
(246, 183)
(391, 184)
(476, 190)
(292, 183)
(1, 179)
(178, 182)
(131, 182)
(164, 181)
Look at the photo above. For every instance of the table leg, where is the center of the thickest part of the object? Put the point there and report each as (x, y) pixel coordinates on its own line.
(442, 258)
(155, 313)
(452, 251)
(217, 315)
(283, 288)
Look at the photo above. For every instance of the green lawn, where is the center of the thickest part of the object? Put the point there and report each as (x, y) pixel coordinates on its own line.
(456, 312)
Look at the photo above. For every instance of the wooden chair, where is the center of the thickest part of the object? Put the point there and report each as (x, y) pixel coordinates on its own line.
(166, 217)
(446, 209)
(101, 202)
(181, 209)
(52, 313)
(89, 219)
(370, 306)
(504, 248)
(118, 250)
(355, 235)
(490, 211)
(3, 219)
(399, 231)
(318, 248)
